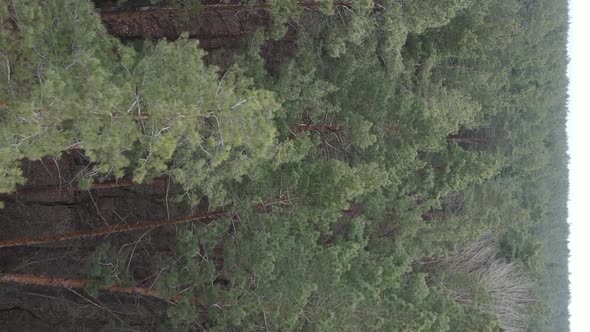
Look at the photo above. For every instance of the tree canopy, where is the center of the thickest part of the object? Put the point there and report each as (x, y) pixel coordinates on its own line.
(357, 149)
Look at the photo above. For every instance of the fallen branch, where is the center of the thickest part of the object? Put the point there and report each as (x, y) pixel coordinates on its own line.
(206, 217)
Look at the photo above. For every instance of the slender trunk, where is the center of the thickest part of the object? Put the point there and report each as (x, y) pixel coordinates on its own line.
(124, 182)
(102, 231)
(204, 218)
(36, 280)
(66, 193)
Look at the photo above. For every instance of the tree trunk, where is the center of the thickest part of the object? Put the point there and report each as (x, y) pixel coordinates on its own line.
(204, 218)
(65, 193)
(36, 280)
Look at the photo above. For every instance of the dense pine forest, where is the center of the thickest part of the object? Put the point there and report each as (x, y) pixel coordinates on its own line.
(260, 165)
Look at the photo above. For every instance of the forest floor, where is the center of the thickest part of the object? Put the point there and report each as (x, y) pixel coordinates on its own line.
(49, 204)
(215, 26)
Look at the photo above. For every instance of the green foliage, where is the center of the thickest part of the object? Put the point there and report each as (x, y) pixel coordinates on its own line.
(106, 267)
(386, 136)
(182, 315)
(129, 112)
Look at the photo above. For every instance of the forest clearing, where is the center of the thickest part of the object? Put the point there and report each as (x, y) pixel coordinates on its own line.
(258, 165)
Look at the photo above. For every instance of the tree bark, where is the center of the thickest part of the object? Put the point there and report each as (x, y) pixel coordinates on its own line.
(65, 193)
(45, 281)
(204, 218)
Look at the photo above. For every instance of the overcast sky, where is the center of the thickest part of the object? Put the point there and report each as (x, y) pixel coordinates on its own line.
(579, 145)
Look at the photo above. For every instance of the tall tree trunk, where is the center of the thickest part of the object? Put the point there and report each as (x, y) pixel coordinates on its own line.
(204, 218)
(45, 281)
(65, 193)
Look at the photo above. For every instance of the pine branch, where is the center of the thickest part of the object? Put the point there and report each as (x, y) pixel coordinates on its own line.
(206, 217)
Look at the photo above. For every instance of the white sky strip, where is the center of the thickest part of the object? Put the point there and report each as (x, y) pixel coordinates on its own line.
(579, 167)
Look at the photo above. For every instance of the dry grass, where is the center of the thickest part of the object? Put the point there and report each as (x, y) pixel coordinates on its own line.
(492, 284)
